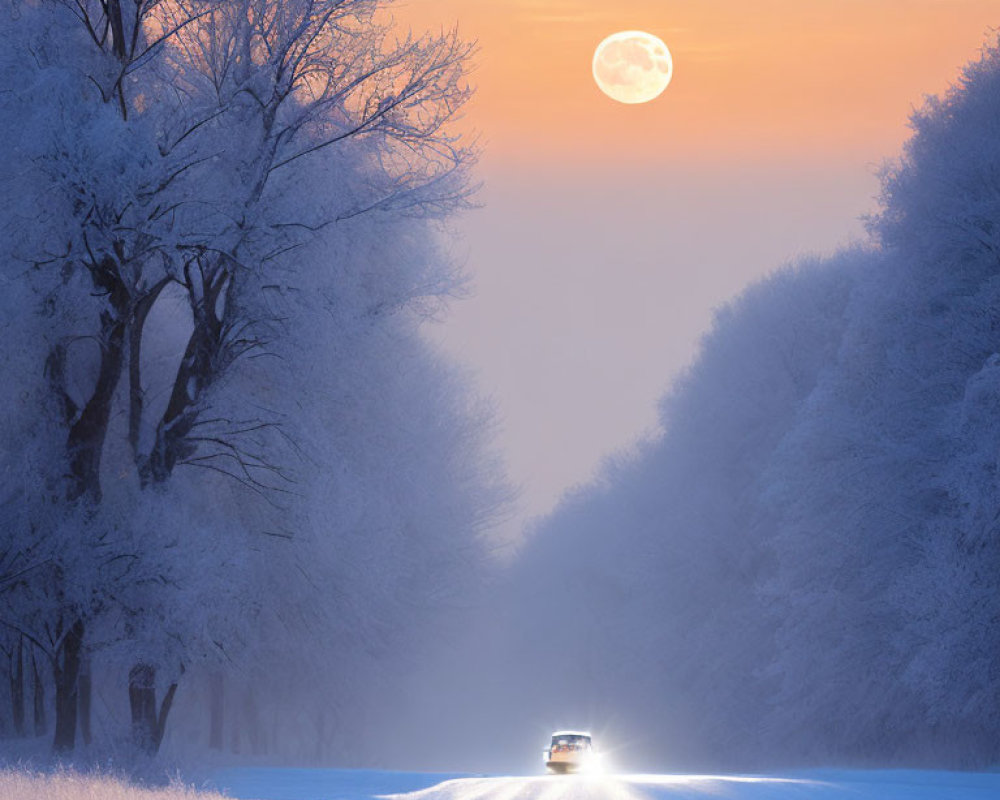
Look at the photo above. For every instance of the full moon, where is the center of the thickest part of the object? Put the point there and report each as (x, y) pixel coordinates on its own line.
(632, 66)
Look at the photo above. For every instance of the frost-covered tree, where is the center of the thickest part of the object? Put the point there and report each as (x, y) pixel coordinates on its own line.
(888, 537)
(195, 188)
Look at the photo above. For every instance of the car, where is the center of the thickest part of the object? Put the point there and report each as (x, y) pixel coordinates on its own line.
(570, 751)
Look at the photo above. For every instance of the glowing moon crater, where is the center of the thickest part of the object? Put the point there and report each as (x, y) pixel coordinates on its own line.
(632, 66)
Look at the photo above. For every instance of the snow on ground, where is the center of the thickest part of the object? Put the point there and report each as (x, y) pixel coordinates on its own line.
(319, 784)
(312, 784)
(261, 783)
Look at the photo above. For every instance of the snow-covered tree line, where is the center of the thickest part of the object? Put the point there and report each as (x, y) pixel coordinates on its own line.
(229, 460)
(805, 565)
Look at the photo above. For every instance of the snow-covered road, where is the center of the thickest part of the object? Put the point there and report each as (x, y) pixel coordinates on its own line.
(311, 784)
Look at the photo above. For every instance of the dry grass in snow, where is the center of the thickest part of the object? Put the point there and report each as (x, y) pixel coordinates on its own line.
(15, 785)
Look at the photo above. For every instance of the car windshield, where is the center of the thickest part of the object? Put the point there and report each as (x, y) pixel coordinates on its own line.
(577, 742)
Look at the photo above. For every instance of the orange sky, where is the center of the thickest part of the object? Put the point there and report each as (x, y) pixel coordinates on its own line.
(753, 78)
(608, 233)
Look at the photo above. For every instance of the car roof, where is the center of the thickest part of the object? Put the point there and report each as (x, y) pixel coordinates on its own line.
(571, 733)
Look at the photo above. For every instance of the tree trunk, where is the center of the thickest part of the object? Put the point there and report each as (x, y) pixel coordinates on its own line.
(148, 725)
(38, 698)
(165, 706)
(84, 697)
(66, 671)
(142, 701)
(17, 687)
(215, 710)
